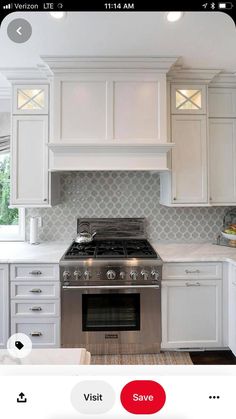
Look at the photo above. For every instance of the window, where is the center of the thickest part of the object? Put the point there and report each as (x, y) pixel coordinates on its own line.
(12, 220)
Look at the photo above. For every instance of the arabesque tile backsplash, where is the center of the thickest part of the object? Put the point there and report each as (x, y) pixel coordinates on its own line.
(124, 194)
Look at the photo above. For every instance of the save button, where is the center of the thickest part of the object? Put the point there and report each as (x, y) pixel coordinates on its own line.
(143, 397)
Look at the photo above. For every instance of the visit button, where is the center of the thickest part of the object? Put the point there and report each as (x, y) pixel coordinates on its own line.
(143, 397)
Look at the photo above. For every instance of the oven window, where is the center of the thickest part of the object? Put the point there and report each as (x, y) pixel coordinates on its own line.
(103, 312)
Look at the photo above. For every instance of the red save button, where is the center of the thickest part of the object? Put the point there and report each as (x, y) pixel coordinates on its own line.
(143, 397)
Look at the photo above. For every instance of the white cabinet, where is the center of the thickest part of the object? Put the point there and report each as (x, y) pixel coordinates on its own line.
(232, 309)
(191, 313)
(31, 184)
(4, 305)
(109, 107)
(222, 158)
(35, 303)
(222, 102)
(187, 184)
(30, 160)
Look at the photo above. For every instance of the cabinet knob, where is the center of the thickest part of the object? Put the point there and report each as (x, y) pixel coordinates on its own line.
(174, 199)
(45, 199)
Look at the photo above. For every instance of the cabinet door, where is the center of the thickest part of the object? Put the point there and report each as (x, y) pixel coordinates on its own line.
(232, 309)
(4, 306)
(189, 159)
(222, 102)
(29, 160)
(191, 314)
(222, 157)
(30, 99)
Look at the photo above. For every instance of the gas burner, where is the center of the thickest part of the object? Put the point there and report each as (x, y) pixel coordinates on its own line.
(109, 249)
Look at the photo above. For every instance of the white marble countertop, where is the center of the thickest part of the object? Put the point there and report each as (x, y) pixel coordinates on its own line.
(23, 252)
(195, 252)
(51, 252)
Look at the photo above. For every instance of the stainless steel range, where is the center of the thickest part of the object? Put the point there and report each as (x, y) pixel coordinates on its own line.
(110, 288)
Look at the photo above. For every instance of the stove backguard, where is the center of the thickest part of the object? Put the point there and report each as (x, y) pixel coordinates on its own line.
(108, 228)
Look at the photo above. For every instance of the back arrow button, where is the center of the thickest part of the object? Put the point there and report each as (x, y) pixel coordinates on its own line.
(19, 30)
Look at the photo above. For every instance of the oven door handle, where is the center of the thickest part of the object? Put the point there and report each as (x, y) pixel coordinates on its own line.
(116, 287)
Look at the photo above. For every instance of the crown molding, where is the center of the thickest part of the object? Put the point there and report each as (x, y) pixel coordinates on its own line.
(22, 74)
(191, 75)
(224, 79)
(72, 64)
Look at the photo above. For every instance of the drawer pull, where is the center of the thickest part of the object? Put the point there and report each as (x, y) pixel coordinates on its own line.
(35, 273)
(196, 271)
(36, 290)
(35, 308)
(36, 334)
(192, 284)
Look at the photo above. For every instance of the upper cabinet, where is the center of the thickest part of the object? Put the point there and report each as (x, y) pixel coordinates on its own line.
(30, 99)
(187, 183)
(112, 108)
(32, 185)
(189, 159)
(222, 102)
(202, 124)
(222, 145)
(188, 99)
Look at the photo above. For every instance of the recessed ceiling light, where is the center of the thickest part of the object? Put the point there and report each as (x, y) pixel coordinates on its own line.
(174, 16)
(58, 15)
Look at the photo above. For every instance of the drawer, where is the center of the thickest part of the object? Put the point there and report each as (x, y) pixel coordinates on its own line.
(35, 272)
(36, 291)
(35, 309)
(43, 334)
(207, 270)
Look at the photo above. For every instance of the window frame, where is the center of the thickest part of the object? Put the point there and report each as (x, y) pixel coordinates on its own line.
(15, 236)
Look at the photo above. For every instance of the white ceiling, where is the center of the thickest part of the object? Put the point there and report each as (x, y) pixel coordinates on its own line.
(203, 40)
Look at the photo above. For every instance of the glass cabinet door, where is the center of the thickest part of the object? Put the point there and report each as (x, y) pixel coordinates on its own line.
(30, 99)
(188, 99)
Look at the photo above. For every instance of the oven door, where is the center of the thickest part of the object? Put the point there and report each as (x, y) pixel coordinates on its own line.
(117, 319)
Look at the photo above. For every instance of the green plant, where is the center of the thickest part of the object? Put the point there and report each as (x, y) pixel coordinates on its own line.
(7, 216)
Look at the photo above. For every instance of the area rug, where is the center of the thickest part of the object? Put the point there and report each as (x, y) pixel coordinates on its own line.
(164, 358)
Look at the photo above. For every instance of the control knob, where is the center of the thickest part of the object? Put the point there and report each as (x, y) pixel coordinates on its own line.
(155, 274)
(77, 275)
(134, 275)
(122, 275)
(86, 275)
(144, 275)
(111, 274)
(66, 275)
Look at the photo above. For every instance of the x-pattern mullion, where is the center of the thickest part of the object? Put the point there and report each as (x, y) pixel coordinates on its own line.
(188, 99)
(30, 98)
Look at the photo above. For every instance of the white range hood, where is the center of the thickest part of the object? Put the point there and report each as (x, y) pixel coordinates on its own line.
(108, 113)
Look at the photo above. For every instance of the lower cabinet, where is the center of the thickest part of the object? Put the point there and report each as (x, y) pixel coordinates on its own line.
(4, 305)
(232, 309)
(35, 303)
(191, 313)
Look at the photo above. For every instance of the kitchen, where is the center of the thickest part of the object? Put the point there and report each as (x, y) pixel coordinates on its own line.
(141, 135)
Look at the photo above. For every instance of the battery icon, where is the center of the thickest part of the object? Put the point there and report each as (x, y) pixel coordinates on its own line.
(225, 6)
